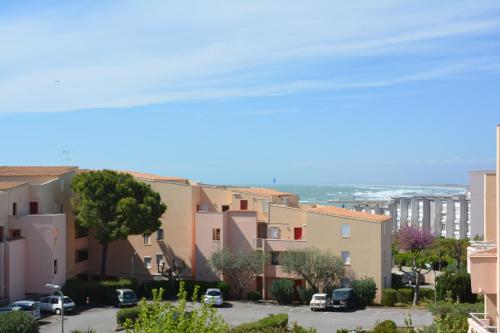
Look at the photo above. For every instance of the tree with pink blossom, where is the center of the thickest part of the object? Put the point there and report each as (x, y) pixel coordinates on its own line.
(413, 241)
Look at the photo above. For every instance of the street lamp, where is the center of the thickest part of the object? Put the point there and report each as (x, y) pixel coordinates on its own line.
(429, 267)
(57, 290)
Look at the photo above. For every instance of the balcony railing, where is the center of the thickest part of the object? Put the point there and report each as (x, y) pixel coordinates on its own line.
(258, 243)
(480, 323)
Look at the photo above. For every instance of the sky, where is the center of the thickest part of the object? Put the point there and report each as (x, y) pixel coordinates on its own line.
(241, 92)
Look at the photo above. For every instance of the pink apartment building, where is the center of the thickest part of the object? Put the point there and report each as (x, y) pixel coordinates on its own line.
(483, 263)
(37, 234)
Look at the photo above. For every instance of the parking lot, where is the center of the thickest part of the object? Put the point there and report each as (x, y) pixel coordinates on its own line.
(103, 319)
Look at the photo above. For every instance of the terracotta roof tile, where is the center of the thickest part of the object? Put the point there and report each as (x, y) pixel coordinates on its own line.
(260, 191)
(9, 185)
(35, 171)
(336, 211)
(153, 177)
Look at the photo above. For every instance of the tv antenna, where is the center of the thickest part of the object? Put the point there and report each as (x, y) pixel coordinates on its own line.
(67, 153)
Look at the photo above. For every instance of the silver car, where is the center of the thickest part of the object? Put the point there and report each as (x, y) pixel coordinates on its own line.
(31, 307)
(53, 304)
(213, 296)
(125, 297)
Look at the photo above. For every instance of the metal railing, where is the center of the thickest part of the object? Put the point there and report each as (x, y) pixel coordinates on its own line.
(480, 323)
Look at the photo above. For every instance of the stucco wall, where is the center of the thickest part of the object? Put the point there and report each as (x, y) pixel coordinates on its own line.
(490, 206)
(15, 254)
(205, 245)
(287, 218)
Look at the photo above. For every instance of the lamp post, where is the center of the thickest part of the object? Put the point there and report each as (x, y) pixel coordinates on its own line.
(57, 290)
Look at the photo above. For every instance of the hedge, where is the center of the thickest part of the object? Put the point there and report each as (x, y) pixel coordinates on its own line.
(426, 294)
(17, 322)
(271, 322)
(458, 284)
(405, 295)
(254, 296)
(127, 313)
(305, 294)
(147, 287)
(101, 292)
(389, 297)
(364, 291)
(282, 290)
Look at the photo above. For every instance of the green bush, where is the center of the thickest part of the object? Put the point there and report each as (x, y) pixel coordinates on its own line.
(405, 295)
(147, 287)
(396, 281)
(263, 325)
(282, 290)
(305, 294)
(254, 295)
(17, 322)
(101, 292)
(364, 290)
(387, 326)
(458, 284)
(127, 313)
(452, 317)
(426, 294)
(389, 297)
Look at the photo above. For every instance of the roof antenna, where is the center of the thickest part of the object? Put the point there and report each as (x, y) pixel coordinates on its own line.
(67, 152)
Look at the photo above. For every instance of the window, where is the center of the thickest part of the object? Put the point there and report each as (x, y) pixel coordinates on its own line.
(275, 233)
(346, 230)
(225, 208)
(33, 207)
(216, 234)
(14, 208)
(284, 200)
(159, 259)
(159, 234)
(346, 257)
(147, 239)
(55, 266)
(265, 206)
(81, 255)
(275, 256)
(243, 204)
(147, 262)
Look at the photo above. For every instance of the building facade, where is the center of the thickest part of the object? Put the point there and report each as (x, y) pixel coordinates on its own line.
(483, 263)
(201, 218)
(37, 233)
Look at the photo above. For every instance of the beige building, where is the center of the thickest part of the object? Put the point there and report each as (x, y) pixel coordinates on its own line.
(483, 256)
(201, 218)
(38, 244)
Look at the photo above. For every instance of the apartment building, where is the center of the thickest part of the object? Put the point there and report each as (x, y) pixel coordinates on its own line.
(483, 263)
(37, 234)
(445, 216)
(201, 218)
(477, 200)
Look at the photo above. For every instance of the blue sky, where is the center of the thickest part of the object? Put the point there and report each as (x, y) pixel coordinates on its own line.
(313, 92)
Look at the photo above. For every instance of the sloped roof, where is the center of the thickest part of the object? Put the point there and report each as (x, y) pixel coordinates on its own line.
(153, 177)
(341, 212)
(9, 185)
(260, 191)
(35, 171)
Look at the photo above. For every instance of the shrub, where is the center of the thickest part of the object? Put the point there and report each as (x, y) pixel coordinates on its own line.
(405, 295)
(364, 290)
(387, 326)
(263, 325)
(254, 296)
(458, 284)
(389, 297)
(427, 294)
(282, 290)
(97, 291)
(452, 317)
(127, 313)
(17, 322)
(305, 294)
(147, 287)
(396, 281)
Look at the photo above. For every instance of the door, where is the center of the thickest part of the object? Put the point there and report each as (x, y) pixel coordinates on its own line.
(243, 204)
(297, 233)
(33, 207)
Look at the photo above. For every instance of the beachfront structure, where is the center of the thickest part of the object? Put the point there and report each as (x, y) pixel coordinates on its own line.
(37, 233)
(483, 263)
(201, 218)
(445, 216)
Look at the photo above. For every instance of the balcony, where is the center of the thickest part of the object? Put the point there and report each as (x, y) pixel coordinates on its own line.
(480, 323)
(481, 264)
(278, 245)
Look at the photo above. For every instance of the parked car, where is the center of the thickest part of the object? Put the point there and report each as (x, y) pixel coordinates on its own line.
(319, 302)
(53, 304)
(343, 299)
(31, 307)
(213, 296)
(125, 297)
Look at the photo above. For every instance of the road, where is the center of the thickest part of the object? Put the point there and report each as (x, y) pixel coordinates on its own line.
(103, 319)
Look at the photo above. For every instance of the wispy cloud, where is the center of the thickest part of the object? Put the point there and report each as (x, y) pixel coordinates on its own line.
(127, 54)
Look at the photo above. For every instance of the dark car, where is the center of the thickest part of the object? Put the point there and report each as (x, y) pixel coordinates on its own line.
(343, 299)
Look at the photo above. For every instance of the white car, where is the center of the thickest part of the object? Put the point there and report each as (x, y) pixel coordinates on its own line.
(213, 296)
(319, 302)
(53, 304)
(30, 307)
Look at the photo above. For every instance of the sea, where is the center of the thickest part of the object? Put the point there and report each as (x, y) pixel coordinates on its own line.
(330, 194)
